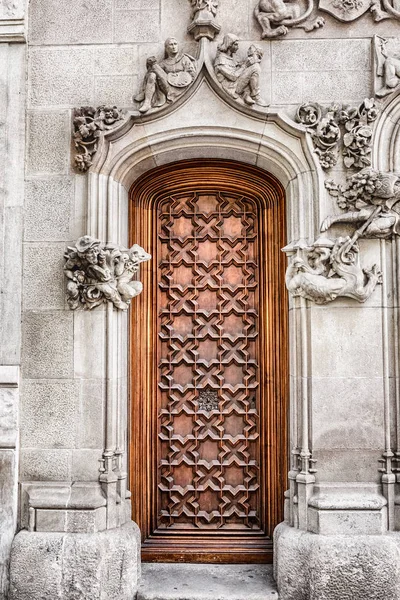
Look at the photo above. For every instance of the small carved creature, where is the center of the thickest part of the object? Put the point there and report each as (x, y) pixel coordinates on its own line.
(277, 16)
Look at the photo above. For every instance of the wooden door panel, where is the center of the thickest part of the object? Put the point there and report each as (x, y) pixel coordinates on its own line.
(209, 438)
(208, 452)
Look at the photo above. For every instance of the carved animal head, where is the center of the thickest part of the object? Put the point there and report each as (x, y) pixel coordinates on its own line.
(138, 254)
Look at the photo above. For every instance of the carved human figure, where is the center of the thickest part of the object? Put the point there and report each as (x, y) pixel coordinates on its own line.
(204, 9)
(239, 79)
(166, 80)
(388, 68)
(370, 199)
(276, 16)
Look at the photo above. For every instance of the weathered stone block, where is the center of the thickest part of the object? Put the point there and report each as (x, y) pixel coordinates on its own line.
(75, 22)
(61, 77)
(91, 414)
(71, 521)
(175, 19)
(116, 60)
(338, 567)
(355, 408)
(45, 465)
(86, 464)
(9, 398)
(136, 26)
(48, 208)
(115, 91)
(96, 566)
(48, 146)
(47, 345)
(8, 512)
(89, 344)
(49, 414)
(43, 276)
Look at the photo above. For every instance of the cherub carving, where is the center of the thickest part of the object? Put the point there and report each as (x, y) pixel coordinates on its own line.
(330, 269)
(370, 199)
(97, 273)
(241, 80)
(277, 16)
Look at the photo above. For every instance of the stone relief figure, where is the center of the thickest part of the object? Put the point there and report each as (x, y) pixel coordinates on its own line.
(167, 79)
(387, 54)
(241, 80)
(370, 200)
(204, 9)
(204, 23)
(276, 17)
(97, 273)
(329, 269)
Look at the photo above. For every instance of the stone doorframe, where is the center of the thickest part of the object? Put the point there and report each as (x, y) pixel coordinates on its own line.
(279, 147)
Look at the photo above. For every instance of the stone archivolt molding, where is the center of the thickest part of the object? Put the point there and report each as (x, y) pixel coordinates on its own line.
(98, 273)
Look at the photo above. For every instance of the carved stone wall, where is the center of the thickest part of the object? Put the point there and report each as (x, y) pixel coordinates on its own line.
(115, 88)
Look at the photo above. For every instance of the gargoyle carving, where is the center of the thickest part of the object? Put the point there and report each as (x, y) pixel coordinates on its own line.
(204, 24)
(99, 273)
(89, 124)
(166, 80)
(339, 127)
(329, 269)
(276, 17)
(370, 200)
(240, 79)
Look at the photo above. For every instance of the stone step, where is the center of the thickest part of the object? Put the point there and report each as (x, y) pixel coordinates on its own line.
(176, 581)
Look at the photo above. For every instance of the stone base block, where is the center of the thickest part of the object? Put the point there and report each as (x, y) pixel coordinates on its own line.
(336, 567)
(76, 566)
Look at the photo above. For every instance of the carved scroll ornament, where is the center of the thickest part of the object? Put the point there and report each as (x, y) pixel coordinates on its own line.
(329, 269)
(277, 17)
(98, 273)
(89, 124)
(350, 10)
(341, 128)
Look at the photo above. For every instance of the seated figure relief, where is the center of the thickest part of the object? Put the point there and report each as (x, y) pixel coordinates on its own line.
(167, 79)
(241, 80)
(388, 66)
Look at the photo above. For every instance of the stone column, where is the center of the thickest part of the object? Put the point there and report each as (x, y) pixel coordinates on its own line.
(12, 138)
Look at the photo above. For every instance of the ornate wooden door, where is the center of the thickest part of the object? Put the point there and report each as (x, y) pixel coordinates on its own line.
(209, 387)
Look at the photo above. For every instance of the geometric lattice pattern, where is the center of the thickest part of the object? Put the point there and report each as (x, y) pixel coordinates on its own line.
(208, 476)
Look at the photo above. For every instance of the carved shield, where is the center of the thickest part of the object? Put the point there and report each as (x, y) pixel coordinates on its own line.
(345, 10)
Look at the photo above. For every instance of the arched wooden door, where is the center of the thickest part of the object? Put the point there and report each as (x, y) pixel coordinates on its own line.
(209, 363)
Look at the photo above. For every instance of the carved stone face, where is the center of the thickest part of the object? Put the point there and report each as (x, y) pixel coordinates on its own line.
(171, 47)
(92, 255)
(109, 115)
(234, 47)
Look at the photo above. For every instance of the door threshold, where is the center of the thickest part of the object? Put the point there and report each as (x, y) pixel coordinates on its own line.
(181, 581)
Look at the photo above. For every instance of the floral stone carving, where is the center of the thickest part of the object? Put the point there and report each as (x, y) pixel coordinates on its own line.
(346, 128)
(166, 80)
(98, 273)
(239, 79)
(89, 125)
(204, 24)
(329, 269)
(276, 17)
(370, 201)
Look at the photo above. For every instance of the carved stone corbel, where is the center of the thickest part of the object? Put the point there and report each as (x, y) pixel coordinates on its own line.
(98, 273)
(328, 269)
(341, 128)
(204, 23)
(89, 124)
